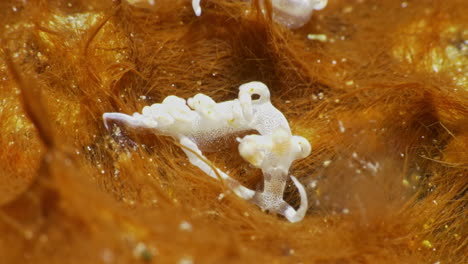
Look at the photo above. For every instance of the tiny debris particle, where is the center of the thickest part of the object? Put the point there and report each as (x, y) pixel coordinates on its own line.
(373, 167)
(342, 128)
(186, 260)
(107, 256)
(326, 163)
(220, 196)
(313, 184)
(345, 211)
(349, 83)
(348, 9)
(185, 226)
(141, 251)
(405, 183)
(319, 37)
(426, 243)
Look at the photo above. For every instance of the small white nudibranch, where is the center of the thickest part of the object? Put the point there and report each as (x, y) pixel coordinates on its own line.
(291, 13)
(295, 13)
(200, 121)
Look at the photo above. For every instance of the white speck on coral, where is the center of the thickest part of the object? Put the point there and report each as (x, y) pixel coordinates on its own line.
(107, 256)
(318, 37)
(342, 128)
(373, 167)
(185, 226)
(348, 9)
(313, 184)
(186, 260)
(139, 249)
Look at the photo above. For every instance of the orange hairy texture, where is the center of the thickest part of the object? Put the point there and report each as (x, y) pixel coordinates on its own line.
(383, 102)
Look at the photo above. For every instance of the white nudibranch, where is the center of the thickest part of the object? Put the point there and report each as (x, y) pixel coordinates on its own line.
(291, 13)
(200, 121)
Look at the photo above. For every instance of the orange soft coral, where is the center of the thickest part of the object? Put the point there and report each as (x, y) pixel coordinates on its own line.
(385, 86)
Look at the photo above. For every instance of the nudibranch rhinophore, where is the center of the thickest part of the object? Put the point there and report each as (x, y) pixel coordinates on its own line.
(199, 121)
(291, 13)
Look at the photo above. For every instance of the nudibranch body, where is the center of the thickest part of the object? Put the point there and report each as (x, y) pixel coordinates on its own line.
(199, 121)
(291, 13)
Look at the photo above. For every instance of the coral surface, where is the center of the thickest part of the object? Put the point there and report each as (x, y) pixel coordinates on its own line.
(378, 87)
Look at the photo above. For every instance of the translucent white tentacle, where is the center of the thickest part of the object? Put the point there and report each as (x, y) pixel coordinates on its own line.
(196, 7)
(197, 161)
(289, 212)
(136, 121)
